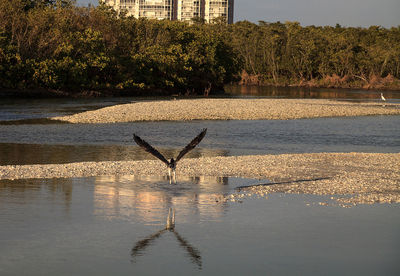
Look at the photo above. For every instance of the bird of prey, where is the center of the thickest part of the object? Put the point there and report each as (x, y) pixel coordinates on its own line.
(172, 163)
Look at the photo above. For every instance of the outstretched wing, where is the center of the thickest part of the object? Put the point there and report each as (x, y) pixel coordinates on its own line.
(149, 148)
(141, 245)
(192, 144)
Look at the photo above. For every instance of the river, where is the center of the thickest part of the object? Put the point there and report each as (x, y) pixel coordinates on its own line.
(116, 224)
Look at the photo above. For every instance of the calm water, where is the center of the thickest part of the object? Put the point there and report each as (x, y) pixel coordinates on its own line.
(114, 225)
(27, 138)
(306, 93)
(25, 109)
(63, 143)
(20, 110)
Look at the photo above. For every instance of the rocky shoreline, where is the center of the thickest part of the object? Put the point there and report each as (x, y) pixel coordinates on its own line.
(353, 178)
(356, 178)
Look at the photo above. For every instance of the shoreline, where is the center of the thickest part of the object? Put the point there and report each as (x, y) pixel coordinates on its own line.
(43, 93)
(356, 178)
(230, 109)
(29, 93)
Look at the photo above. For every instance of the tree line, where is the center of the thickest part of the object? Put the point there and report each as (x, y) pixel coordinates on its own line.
(289, 54)
(56, 45)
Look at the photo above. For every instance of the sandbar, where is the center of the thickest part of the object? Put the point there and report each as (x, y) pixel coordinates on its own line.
(230, 109)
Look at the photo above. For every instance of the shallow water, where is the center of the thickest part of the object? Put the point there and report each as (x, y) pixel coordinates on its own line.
(26, 137)
(32, 109)
(28, 111)
(64, 143)
(313, 93)
(114, 225)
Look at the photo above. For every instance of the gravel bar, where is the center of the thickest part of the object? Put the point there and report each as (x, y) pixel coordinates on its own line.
(230, 109)
(355, 177)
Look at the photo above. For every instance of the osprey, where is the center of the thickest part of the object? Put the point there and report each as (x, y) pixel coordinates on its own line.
(172, 163)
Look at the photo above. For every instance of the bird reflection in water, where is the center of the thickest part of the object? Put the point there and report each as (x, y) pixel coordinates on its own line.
(141, 245)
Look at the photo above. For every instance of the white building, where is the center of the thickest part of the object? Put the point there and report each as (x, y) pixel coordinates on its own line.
(183, 10)
(188, 9)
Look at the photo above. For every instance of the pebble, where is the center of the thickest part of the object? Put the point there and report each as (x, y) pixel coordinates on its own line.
(349, 178)
(229, 109)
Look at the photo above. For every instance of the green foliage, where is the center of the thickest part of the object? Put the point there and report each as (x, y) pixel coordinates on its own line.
(60, 46)
(288, 53)
(56, 45)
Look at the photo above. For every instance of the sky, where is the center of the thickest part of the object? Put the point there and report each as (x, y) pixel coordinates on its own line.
(348, 13)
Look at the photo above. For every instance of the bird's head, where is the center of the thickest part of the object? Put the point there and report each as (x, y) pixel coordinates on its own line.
(172, 163)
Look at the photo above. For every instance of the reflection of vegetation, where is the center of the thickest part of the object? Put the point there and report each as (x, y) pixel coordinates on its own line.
(53, 44)
(21, 154)
(29, 190)
(305, 92)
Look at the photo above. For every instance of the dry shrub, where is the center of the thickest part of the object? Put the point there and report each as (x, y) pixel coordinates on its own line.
(345, 79)
(374, 79)
(332, 81)
(376, 82)
(247, 79)
(313, 83)
(389, 79)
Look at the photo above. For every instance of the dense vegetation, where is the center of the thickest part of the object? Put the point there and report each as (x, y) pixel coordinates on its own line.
(277, 53)
(56, 45)
(53, 44)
